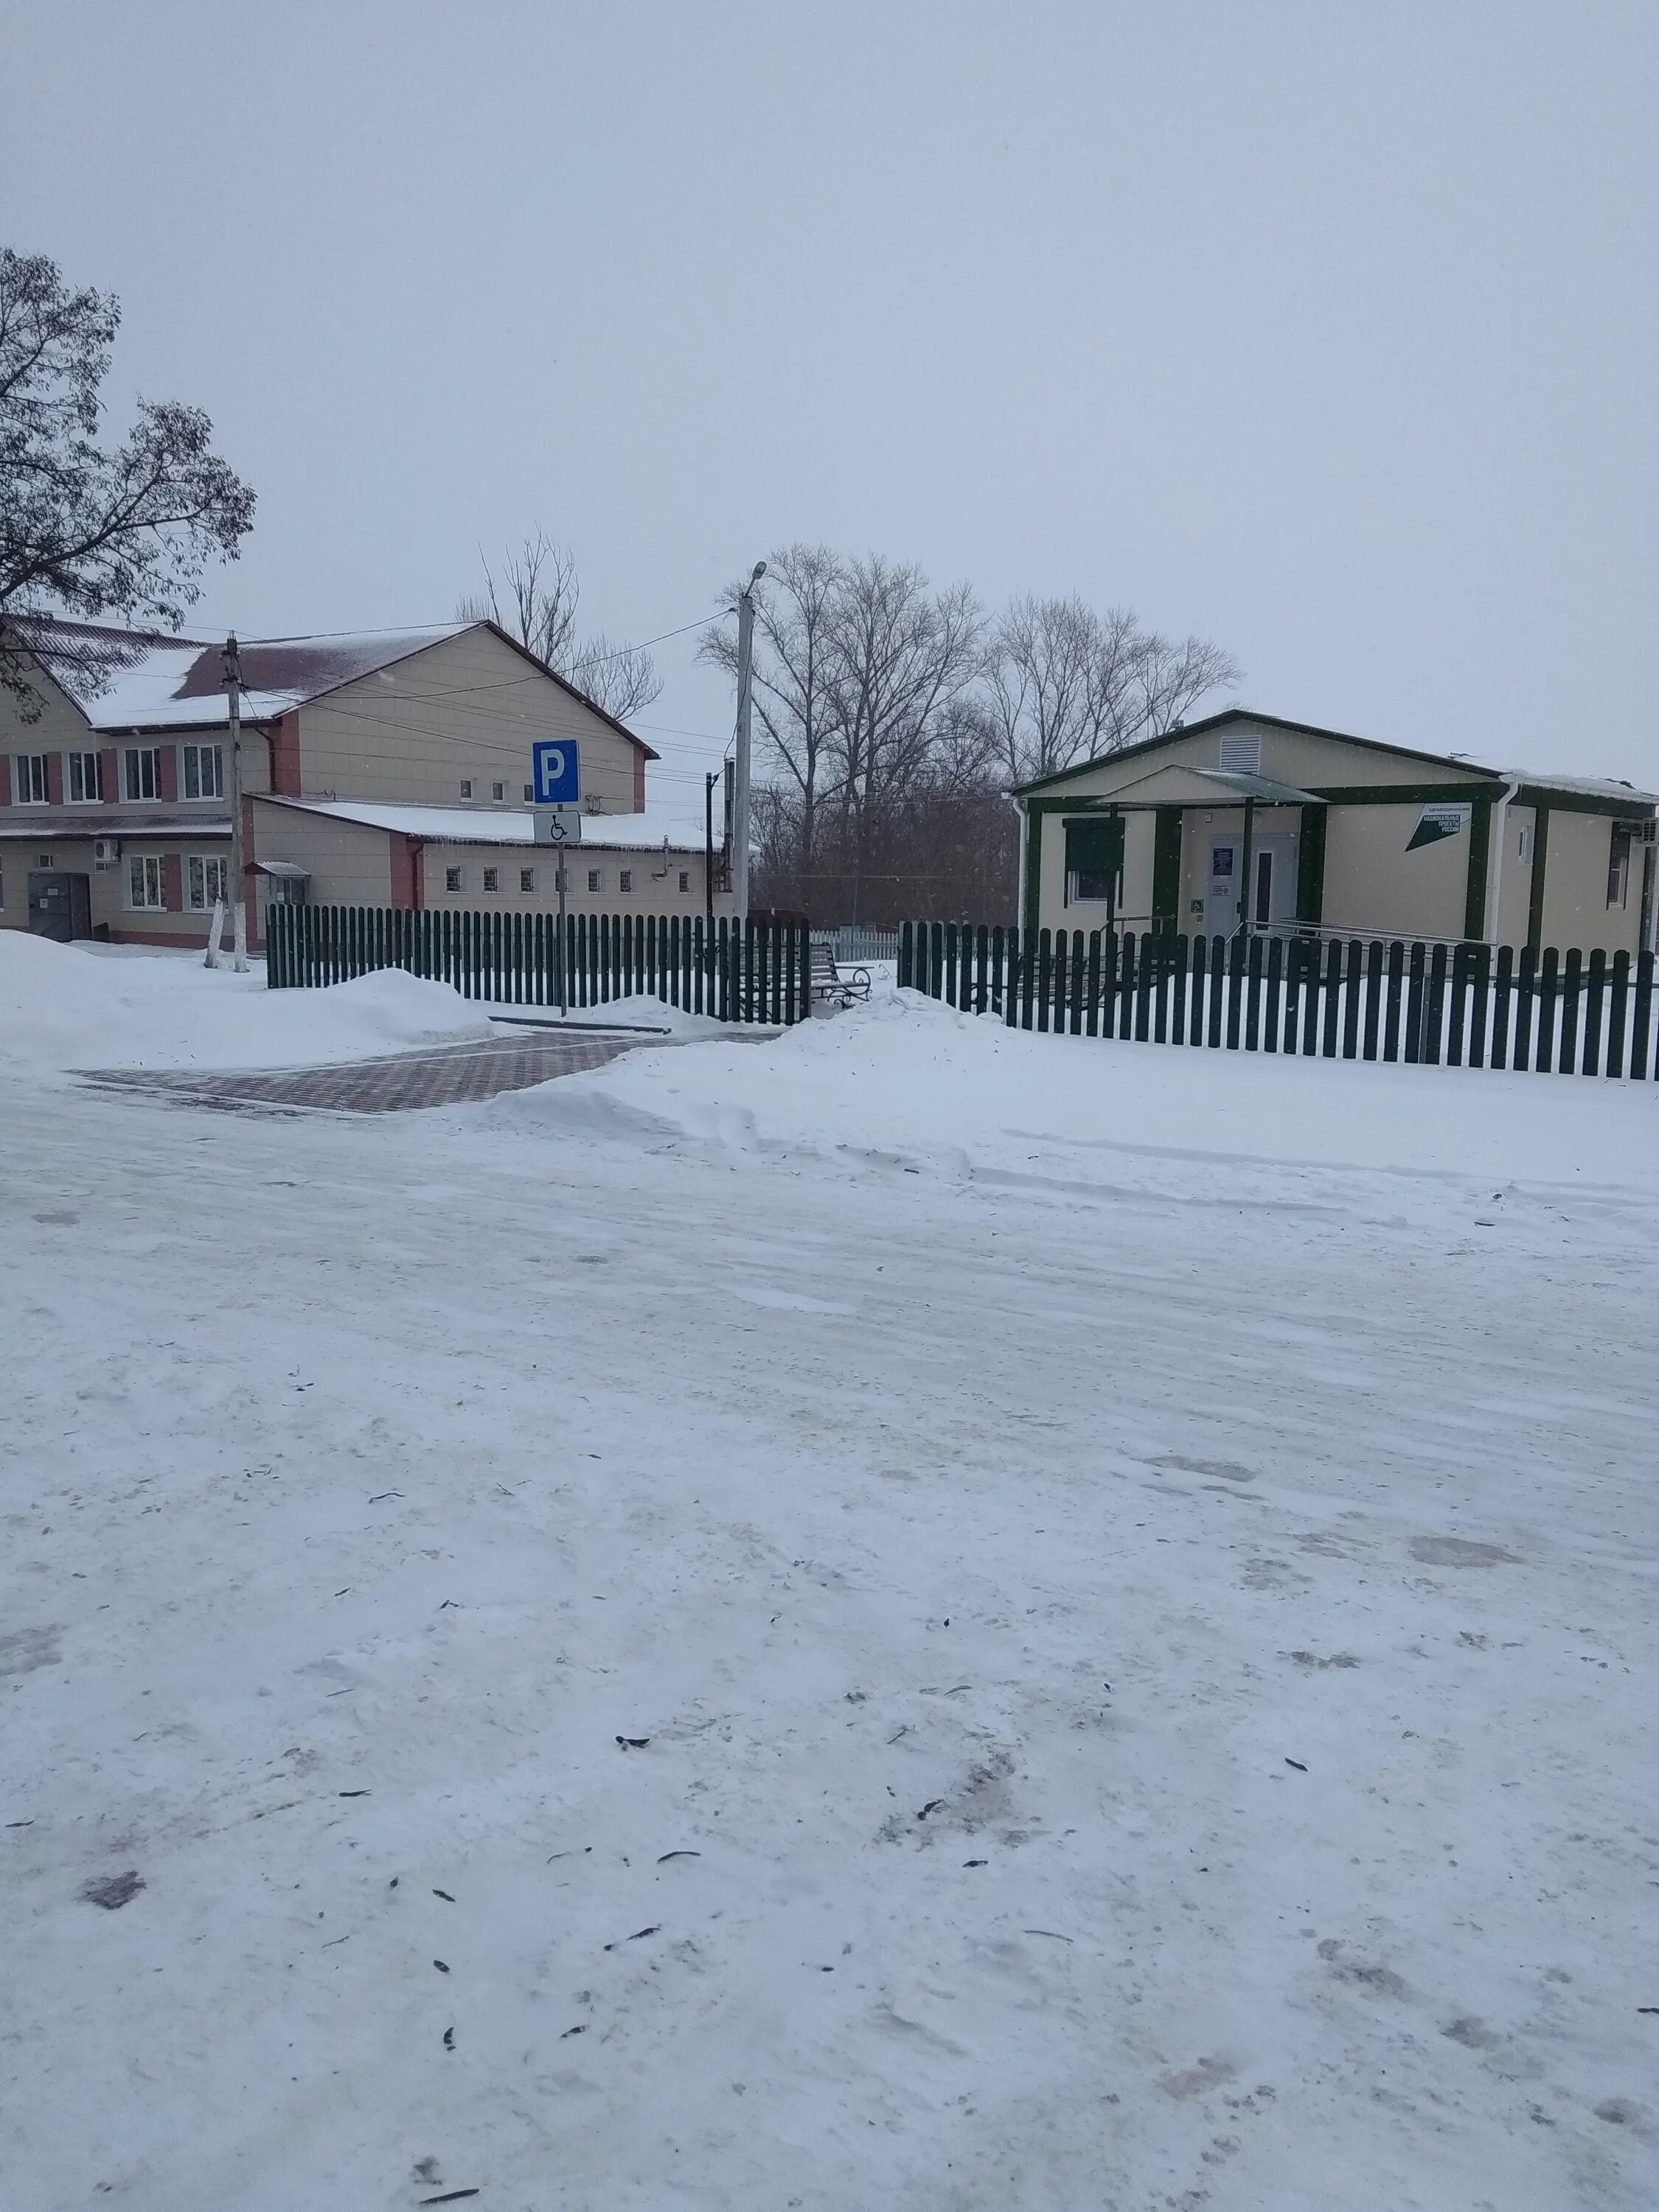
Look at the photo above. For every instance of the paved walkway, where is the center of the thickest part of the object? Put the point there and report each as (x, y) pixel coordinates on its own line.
(435, 1075)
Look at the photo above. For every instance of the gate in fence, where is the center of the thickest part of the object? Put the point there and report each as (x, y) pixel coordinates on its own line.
(1460, 1006)
(735, 971)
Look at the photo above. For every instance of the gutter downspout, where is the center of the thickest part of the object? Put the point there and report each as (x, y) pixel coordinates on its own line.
(1025, 841)
(1500, 835)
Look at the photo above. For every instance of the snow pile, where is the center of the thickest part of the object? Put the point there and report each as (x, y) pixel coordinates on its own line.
(904, 1083)
(62, 1006)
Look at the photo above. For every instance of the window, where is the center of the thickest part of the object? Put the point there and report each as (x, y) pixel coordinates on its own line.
(205, 881)
(86, 778)
(1523, 850)
(498, 791)
(45, 859)
(685, 879)
(595, 881)
(31, 779)
(452, 880)
(204, 772)
(526, 879)
(466, 787)
(528, 794)
(492, 879)
(1618, 864)
(144, 880)
(625, 881)
(141, 772)
(1094, 859)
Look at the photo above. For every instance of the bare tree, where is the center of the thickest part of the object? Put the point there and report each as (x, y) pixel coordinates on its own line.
(794, 702)
(85, 531)
(900, 656)
(1065, 684)
(621, 678)
(535, 602)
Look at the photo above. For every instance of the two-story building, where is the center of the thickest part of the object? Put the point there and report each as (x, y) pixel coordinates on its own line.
(1246, 821)
(383, 768)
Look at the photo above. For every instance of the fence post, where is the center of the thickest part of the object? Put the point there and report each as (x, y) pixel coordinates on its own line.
(1595, 992)
(1618, 1010)
(1641, 1044)
(1571, 989)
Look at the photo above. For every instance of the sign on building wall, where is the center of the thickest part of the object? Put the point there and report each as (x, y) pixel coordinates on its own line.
(1437, 822)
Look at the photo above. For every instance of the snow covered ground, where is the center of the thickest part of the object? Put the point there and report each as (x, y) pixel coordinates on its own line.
(73, 1005)
(907, 1616)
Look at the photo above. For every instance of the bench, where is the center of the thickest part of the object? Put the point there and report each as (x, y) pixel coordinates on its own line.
(836, 986)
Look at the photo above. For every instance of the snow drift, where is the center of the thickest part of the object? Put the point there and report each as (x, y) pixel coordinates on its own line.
(65, 1006)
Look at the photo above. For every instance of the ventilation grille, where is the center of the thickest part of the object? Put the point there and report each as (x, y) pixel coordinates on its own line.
(1241, 755)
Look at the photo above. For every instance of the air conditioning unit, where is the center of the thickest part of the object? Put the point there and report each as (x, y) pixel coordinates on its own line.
(106, 852)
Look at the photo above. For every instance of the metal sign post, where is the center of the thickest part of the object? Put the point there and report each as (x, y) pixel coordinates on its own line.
(556, 820)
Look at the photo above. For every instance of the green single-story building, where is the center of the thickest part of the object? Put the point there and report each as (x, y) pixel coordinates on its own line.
(1247, 823)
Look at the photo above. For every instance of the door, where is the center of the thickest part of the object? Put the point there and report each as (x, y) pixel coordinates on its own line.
(1221, 906)
(60, 904)
(1273, 882)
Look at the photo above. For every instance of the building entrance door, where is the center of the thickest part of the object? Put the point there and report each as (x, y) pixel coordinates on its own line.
(1221, 905)
(60, 904)
(1273, 882)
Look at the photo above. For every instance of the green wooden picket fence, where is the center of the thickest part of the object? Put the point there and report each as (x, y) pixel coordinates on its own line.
(737, 972)
(1350, 998)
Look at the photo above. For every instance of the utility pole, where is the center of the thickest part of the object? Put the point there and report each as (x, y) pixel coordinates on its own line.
(708, 783)
(237, 887)
(740, 789)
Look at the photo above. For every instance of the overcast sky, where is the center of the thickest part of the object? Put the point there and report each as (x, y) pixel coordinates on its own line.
(1329, 332)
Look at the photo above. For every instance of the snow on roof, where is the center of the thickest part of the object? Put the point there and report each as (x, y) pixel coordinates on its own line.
(492, 825)
(135, 680)
(1586, 786)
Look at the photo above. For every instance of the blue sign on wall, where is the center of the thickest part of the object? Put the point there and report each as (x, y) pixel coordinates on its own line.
(556, 773)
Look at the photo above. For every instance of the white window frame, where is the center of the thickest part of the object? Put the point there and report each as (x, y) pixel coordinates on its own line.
(466, 787)
(192, 758)
(492, 879)
(74, 770)
(595, 879)
(685, 879)
(625, 880)
(132, 771)
(209, 869)
(530, 794)
(145, 872)
(1619, 848)
(29, 769)
(498, 791)
(454, 883)
(527, 880)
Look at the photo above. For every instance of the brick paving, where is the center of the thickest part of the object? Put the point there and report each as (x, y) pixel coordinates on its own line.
(434, 1075)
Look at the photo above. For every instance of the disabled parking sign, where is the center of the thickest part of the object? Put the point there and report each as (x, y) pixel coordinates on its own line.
(556, 772)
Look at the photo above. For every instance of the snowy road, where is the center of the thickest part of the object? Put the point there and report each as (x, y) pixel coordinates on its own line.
(1143, 1669)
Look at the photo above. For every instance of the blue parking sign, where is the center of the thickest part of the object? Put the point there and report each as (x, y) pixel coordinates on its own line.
(555, 773)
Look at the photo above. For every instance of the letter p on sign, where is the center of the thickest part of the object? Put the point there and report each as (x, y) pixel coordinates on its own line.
(556, 774)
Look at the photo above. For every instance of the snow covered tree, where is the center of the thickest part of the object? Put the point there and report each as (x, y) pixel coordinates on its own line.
(88, 530)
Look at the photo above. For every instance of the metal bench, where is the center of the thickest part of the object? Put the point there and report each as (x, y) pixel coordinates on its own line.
(836, 986)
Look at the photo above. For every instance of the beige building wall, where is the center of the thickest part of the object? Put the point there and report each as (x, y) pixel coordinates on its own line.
(1375, 888)
(109, 889)
(1287, 756)
(471, 707)
(348, 865)
(1576, 910)
(652, 888)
